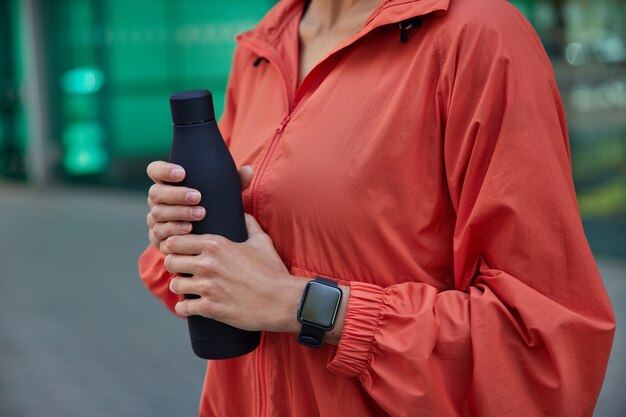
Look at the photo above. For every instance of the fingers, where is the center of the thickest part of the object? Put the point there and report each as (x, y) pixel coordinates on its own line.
(170, 212)
(185, 309)
(246, 173)
(180, 264)
(194, 244)
(162, 231)
(162, 213)
(193, 307)
(173, 195)
(203, 306)
(160, 171)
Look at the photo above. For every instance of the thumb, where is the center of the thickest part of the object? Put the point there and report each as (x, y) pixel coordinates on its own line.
(252, 225)
(246, 173)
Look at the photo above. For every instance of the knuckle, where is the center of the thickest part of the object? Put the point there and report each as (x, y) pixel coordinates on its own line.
(216, 242)
(165, 246)
(157, 212)
(209, 245)
(167, 262)
(204, 287)
(157, 230)
(173, 285)
(207, 308)
(168, 244)
(166, 231)
(153, 192)
(207, 265)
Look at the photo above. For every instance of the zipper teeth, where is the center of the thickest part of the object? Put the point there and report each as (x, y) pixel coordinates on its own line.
(261, 378)
(255, 195)
(274, 143)
(264, 164)
(254, 198)
(256, 179)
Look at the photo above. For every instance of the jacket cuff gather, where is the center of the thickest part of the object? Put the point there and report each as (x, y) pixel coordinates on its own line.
(151, 270)
(363, 314)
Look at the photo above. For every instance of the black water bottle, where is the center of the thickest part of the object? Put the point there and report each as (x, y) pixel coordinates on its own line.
(199, 148)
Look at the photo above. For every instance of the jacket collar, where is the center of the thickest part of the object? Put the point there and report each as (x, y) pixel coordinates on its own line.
(268, 31)
(267, 40)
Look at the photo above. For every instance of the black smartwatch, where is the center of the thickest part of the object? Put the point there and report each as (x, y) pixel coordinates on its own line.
(318, 310)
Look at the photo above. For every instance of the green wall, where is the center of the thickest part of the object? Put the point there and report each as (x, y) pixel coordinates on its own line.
(13, 131)
(142, 51)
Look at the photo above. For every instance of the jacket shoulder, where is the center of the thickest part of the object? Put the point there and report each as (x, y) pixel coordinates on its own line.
(488, 29)
(487, 14)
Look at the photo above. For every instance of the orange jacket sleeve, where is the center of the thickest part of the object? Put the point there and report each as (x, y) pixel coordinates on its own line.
(156, 278)
(527, 328)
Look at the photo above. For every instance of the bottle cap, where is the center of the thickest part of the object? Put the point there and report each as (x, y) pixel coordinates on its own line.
(190, 107)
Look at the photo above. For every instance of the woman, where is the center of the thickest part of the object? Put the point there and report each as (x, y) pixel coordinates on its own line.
(414, 152)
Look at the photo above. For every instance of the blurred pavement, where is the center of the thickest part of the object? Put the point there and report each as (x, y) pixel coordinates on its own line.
(80, 335)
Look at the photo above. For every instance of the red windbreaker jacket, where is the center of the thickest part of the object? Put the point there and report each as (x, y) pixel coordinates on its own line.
(432, 176)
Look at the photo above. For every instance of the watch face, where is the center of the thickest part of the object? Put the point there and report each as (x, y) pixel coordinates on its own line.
(320, 304)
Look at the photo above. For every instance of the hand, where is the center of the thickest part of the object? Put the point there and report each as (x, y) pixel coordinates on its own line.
(244, 284)
(173, 207)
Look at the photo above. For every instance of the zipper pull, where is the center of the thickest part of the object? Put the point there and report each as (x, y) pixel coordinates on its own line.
(259, 60)
(283, 124)
(407, 25)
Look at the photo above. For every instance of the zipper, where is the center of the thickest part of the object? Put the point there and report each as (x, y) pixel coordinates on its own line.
(254, 194)
(261, 371)
(277, 133)
(304, 91)
(262, 411)
(268, 53)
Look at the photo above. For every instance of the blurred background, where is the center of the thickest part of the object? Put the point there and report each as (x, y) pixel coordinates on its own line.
(83, 109)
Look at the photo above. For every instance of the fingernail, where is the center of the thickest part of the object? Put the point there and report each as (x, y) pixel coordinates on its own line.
(193, 196)
(185, 227)
(197, 212)
(178, 173)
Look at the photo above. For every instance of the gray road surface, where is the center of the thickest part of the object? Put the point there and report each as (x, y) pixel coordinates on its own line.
(81, 337)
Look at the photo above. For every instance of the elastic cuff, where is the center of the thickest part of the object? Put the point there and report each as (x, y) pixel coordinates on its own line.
(362, 318)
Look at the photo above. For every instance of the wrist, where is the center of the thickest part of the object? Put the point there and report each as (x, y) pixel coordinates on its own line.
(321, 312)
(291, 296)
(332, 336)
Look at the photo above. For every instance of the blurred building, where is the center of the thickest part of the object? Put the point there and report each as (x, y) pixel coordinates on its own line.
(84, 83)
(84, 87)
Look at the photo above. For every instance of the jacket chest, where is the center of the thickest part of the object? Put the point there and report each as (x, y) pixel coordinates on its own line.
(356, 164)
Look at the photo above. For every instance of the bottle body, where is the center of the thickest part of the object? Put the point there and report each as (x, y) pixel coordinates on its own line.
(210, 169)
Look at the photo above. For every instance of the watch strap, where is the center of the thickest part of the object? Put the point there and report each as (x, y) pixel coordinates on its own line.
(327, 281)
(311, 336)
